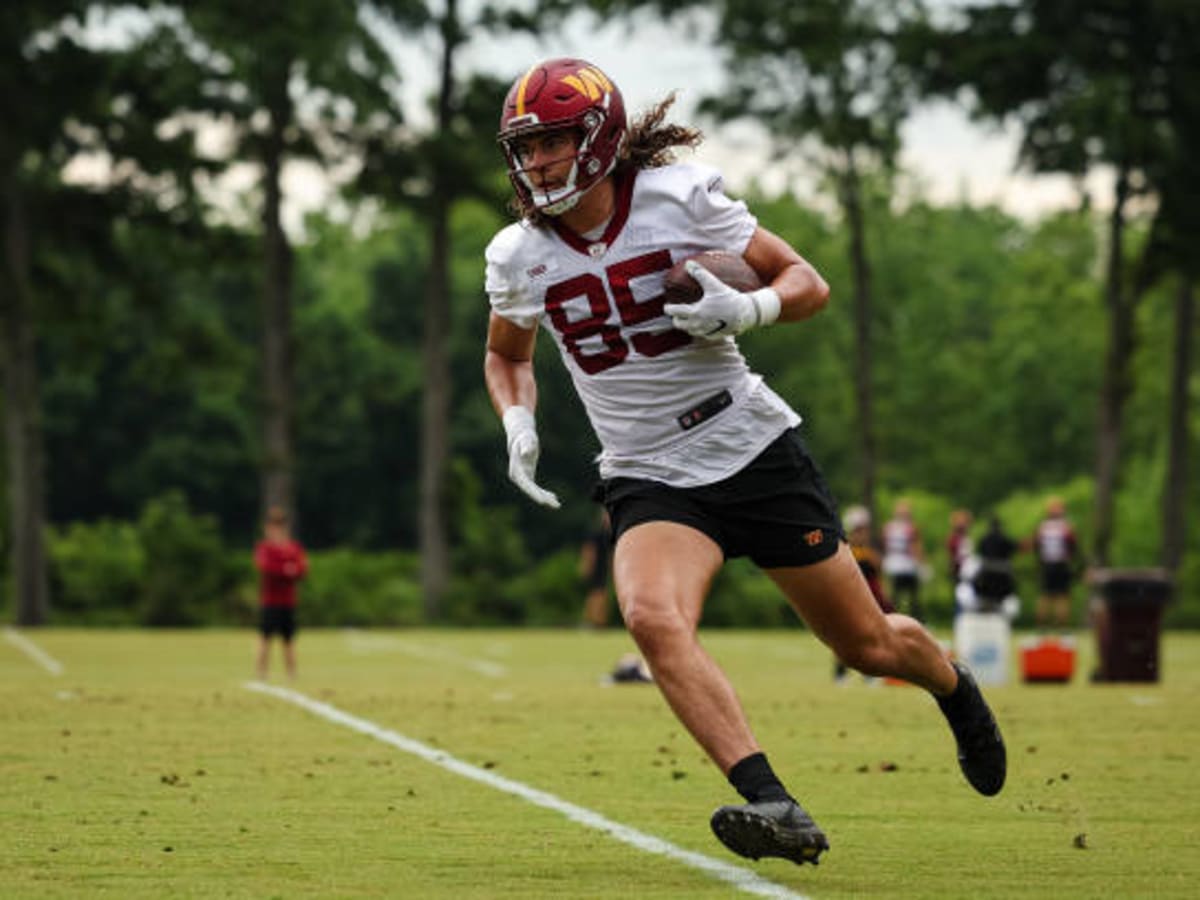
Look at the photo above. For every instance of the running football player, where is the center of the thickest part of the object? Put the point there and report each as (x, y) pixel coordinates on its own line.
(701, 461)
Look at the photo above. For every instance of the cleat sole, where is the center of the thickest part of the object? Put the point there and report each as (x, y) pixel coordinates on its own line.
(755, 836)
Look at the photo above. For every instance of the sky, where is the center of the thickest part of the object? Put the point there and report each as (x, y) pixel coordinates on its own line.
(949, 156)
(953, 158)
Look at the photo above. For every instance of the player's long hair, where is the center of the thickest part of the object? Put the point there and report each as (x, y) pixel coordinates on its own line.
(651, 143)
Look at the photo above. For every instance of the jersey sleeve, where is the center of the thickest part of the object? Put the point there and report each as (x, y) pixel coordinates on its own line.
(506, 292)
(725, 222)
(299, 561)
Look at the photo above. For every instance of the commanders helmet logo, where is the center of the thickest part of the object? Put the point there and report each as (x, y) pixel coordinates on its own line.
(590, 82)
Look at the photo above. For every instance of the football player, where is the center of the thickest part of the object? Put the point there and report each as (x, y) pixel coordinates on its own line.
(701, 461)
(1057, 552)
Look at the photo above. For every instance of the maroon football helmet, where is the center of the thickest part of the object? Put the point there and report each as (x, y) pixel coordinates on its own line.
(556, 94)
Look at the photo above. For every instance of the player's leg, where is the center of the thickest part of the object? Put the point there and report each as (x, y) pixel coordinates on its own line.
(835, 601)
(662, 571)
(287, 635)
(1062, 610)
(915, 608)
(289, 657)
(595, 607)
(262, 658)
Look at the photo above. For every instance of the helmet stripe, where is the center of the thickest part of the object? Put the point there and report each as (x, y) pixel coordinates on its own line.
(521, 91)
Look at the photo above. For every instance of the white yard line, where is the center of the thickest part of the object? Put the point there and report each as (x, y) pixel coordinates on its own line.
(33, 651)
(743, 879)
(369, 643)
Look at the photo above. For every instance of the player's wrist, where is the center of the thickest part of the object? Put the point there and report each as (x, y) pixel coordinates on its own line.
(518, 420)
(767, 306)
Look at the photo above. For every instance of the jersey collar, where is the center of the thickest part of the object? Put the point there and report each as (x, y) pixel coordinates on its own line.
(596, 248)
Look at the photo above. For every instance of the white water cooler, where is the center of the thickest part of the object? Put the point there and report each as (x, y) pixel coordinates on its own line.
(984, 642)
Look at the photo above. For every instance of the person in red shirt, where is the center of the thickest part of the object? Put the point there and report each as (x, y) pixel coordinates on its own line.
(281, 564)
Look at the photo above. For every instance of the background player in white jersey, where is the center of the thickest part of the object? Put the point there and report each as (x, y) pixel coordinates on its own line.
(1057, 553)
(903, 558)
(700, 460)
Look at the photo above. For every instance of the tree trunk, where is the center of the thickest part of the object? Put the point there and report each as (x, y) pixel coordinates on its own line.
(435, 408)
(277, 463)
(1116, 382)
(22, 418)
(1175, 485)
(860, 268)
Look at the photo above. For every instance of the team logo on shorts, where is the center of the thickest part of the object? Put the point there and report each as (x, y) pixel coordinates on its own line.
(814, 537)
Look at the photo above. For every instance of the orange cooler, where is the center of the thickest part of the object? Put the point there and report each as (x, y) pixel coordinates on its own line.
(1048, 659)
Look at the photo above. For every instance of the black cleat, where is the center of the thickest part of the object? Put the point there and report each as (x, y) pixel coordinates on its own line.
(981, 754)
(772, 828)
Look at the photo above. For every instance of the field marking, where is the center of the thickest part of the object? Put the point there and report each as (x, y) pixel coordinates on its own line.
(743, 879)
(368, 643)
(32, 650)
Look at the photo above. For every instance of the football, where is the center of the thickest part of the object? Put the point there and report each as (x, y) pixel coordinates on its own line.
(680, 287)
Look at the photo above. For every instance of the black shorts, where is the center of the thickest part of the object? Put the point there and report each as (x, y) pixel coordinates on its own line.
(1056, 578)
(280, 620)
(778, 510)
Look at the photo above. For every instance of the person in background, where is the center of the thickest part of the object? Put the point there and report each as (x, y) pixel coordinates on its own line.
(903, 558)
(995, 584)
(857, 522)
(700, 460)
(593, 569)
(959, 545)
(281, 564)
(1057, 553)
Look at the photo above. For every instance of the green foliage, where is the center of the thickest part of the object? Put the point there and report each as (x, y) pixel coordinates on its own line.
(743, 597)
(989, 336)
(189, 578)
(98, 570)
(347, 588)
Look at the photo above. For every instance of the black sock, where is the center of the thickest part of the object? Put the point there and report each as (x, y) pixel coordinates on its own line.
(953, 701)
(756, 781)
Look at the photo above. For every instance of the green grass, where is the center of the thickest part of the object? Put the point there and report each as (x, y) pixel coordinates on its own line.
(147, 770)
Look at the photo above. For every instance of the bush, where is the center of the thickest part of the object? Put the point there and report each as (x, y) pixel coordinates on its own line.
(190, 579)
(352, 588)
(96, 572)
(743, 597)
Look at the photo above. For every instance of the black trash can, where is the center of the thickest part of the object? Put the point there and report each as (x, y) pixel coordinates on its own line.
(1128, 622)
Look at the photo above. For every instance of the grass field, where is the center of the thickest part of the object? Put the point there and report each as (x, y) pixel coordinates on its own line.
(146, 768)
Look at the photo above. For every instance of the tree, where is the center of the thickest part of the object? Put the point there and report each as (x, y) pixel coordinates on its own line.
(1090, 83)
(1175, 484)
(106, 103)
(295, 79)
(432, 174)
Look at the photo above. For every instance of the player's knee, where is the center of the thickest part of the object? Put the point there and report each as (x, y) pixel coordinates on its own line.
(652, 624)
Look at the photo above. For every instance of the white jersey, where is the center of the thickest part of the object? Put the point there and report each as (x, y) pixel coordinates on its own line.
(643, 383)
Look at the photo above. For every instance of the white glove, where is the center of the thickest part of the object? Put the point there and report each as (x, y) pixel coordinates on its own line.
(722, 311)
(523, 451)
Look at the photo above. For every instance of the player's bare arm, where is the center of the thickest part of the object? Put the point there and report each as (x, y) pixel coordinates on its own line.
(508, 365)
(508, 372)
(802, 291)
